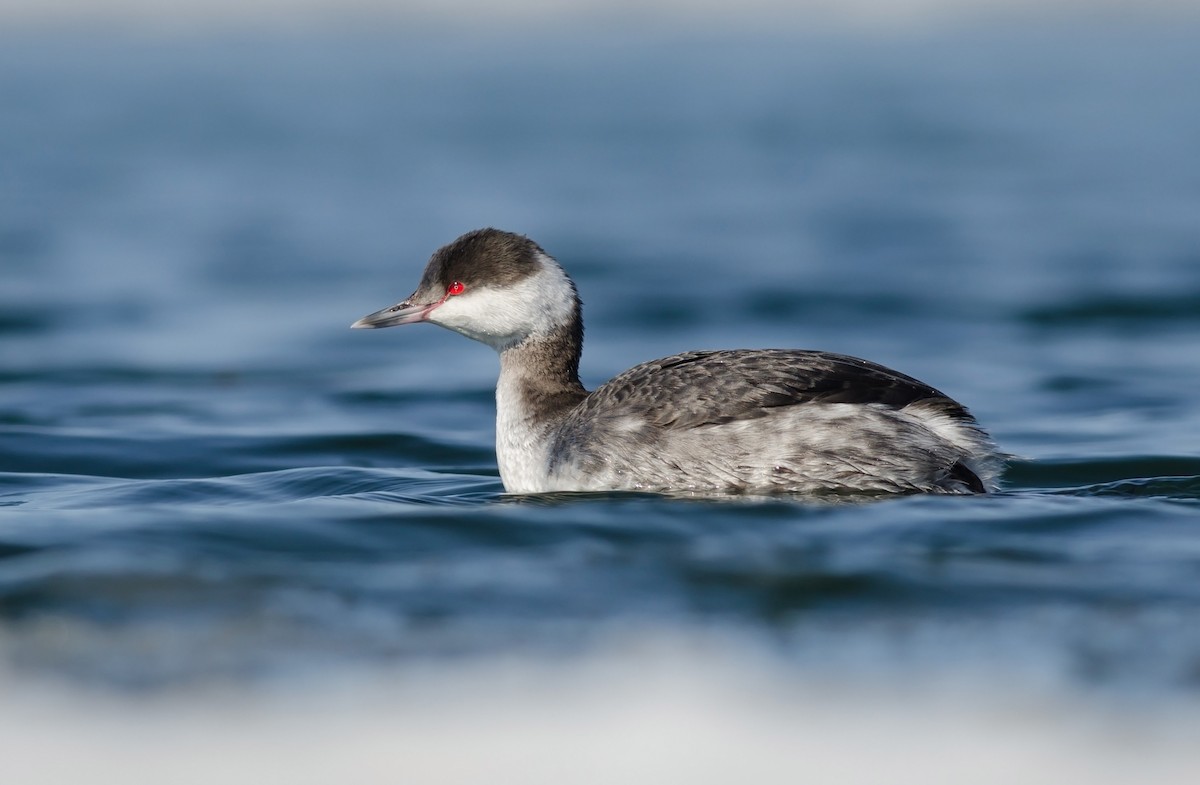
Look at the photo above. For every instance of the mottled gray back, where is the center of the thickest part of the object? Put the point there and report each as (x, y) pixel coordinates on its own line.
(705, 388)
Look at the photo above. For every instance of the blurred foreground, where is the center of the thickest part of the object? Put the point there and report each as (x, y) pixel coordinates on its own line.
(648, 713)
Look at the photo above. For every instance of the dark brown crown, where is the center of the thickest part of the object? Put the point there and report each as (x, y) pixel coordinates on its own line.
(484, 257)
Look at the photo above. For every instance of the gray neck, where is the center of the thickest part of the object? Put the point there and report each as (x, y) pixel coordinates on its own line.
(542, 374)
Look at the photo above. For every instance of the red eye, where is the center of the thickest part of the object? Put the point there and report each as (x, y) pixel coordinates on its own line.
(455, 288)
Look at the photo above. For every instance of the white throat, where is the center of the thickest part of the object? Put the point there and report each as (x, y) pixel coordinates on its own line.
(522, 444)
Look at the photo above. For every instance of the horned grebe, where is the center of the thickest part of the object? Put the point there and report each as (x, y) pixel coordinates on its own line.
(740, 421)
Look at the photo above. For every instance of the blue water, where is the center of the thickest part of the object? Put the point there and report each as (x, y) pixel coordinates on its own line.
(205, 475)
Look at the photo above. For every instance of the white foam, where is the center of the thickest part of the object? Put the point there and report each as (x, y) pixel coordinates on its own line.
(661, 713)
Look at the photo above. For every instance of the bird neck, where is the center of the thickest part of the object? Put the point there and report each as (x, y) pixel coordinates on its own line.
(539, 377)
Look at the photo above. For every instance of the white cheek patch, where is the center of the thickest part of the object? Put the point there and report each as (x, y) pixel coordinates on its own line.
(501, 317)
(496, 318)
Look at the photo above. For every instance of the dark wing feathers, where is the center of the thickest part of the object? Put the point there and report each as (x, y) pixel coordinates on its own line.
(704, 388)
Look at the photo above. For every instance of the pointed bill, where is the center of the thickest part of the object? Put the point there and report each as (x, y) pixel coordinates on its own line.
(406, 312)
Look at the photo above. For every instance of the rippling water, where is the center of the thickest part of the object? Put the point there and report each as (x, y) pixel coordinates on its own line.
(206, 477)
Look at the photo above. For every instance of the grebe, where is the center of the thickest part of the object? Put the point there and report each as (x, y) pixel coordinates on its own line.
(709, 422)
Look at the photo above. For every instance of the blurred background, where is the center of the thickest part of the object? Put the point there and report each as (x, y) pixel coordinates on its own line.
(239, 540)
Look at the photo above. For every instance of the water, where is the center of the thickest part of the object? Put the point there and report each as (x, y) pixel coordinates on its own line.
(208, 481)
